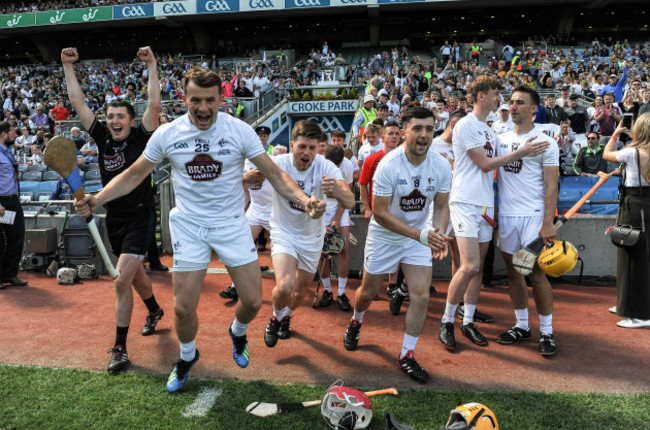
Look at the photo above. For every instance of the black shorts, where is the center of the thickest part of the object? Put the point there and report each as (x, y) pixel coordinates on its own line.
(131, 234)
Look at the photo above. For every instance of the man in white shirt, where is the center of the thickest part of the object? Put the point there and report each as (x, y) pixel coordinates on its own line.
(207, 153)
(407, 180)
(337, 137)
(528, 191)
(474, 160)
(441, 116)
(504, 123)
(372, 143)
(297, 240)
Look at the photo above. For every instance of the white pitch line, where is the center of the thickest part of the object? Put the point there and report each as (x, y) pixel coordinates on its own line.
(203, 403)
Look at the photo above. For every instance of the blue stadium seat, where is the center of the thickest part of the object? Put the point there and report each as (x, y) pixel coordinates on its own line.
(93, 175)
(37, 168)
(46, 186)
(51, 175)
(574, 187)
(93, 188)
(32, 176)
(23, 167)
(29, 186)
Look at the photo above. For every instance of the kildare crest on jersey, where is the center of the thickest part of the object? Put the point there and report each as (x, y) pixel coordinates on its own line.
(415, 201)
(203, 168)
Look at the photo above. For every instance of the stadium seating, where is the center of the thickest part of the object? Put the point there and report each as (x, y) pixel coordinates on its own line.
(93, 166)
(32, 176)
(572, 188)
(23, 167)
(26, 196)
(93, 175)
(37, 168)
(51, 175)
(29, 186)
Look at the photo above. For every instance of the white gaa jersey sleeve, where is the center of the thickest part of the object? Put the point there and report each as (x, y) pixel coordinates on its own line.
(411, 188)
(290, 218)
(521, 182)
(470, 184)
(261, 195)
(207, 166)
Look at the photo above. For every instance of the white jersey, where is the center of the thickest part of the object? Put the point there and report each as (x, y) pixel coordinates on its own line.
(470, 184)
(261, 195)
(355, 163)
(347, 171)
(521, 183)
(441, 147)
(411, 188)
(290, 217)
(207, 166)
(503, 127)
(367, 150)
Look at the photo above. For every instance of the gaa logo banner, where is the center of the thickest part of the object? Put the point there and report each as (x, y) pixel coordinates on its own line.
(142, 10)
(292, 4)
(171, 8)
(216, 6)
(260, 4)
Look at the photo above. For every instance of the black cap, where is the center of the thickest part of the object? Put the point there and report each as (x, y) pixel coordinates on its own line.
(262, 129)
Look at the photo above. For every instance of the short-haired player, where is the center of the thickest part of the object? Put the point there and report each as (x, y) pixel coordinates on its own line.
(297, 240)
(528, 191)
(130, 220)
(337, 218)
(207, 152)
(407, 180)
(474, 145)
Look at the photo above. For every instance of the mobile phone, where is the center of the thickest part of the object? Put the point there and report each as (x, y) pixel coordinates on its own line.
(627, 120)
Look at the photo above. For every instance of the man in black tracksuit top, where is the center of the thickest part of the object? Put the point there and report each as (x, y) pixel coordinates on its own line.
(130, 220)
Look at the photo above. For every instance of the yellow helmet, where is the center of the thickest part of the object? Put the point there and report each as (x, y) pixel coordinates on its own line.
(472, 416)
(558, 259)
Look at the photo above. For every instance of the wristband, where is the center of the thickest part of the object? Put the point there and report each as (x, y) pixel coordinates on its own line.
(74, 180)
(424, 233)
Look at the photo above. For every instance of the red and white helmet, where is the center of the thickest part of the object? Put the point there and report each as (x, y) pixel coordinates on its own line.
(346, 408)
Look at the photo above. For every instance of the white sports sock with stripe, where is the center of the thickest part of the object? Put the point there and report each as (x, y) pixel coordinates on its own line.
(188, 351)
(522, 318)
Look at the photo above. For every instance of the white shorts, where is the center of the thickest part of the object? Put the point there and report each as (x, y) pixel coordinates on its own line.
(515, 232)
(306, 252)
(193, 244)
(468, 222)
(345, 218)
(256, 218)
(384, 257)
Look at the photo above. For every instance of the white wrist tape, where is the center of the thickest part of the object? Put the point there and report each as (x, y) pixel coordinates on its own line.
(424, 233)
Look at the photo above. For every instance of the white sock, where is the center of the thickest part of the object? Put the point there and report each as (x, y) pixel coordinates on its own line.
(358, 315)
(343, 282)
(278, 313)
(468, 316)
(408, 344)
(522, 318)
(450, 310)
(327, 284)
(546, 324)
(287, 311)
(238, 328)
(188, 351)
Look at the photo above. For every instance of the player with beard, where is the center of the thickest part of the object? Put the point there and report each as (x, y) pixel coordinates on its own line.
(474, 144)
(407, 180)
(130, 220)
(207, 153)
(528, 190)
(297, 240)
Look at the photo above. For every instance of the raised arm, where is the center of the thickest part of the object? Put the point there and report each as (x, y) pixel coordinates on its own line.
(68, 57)
(150, 117)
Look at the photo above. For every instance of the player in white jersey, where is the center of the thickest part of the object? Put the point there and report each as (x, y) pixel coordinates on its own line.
(297, 240)
(471, 190)
(337, 137)
(528, 190)
(337, 218)
(259, 197)
(504, 123)
(407, 180)
(372, 143)
(207, 152)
